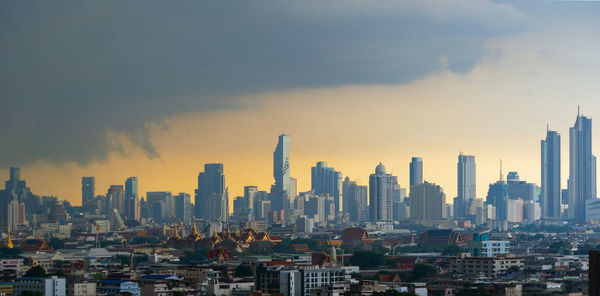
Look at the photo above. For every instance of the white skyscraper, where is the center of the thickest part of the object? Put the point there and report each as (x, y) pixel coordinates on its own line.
(381, 193)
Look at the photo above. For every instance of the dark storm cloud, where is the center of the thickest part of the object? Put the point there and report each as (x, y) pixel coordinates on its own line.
(72, 70)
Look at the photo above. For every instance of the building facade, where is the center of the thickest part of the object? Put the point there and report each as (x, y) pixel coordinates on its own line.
(381, 191)
(582, 169)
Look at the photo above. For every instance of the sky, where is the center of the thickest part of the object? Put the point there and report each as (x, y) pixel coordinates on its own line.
(114, 89)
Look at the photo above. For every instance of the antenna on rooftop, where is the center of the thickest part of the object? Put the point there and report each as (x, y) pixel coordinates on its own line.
(501, 170)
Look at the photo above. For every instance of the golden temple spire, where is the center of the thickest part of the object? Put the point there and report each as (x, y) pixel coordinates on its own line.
(9, 243)
(194, 229)
(176, 233)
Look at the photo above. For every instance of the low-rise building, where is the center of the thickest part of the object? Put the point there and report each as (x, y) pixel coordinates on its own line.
(112, 287)
(486, 266)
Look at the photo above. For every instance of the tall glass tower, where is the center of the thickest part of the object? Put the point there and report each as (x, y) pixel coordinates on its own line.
(280, 191)
(212, 200)
(551, 176)
(416, 171)
(582, 169)
(326, 180)
(466, 185)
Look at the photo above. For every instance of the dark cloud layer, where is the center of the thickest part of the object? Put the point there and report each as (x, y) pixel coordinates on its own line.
(70, 71)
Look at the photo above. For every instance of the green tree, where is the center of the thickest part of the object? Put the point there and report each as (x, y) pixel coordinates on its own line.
(367, 259)
(36, 271)
(244, 270)
(420, 271)
(193, 256)
(9, 253)
(452, 250)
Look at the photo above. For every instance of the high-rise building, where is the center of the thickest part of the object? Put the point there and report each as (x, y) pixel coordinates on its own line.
(498, 197)
(582, 168)
(212, 201)
(427, 203)
(15, 214)
(249, 194)
(132, 200)
(521, 189)
(88, 192)
(355, 199)
(326, 181)
(183, 207)
(514, 210)
(416, 171)
(161, 205)
(280, 191)
(381, 193)
(115, 199)
(466, 186)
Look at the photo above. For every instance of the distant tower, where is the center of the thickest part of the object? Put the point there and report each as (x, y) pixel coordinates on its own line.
(381, 193)
(416, 171)
(550, 161)
(212, 200)
(280, 191)
(582, 168)
(326, 180)
(88, 192)
(466, 185)
(132, 201)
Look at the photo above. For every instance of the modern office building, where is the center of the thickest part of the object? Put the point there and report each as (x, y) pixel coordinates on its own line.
(132, 200)
(161, 205)
(498, 197)
(582, 170)
(381, 192)
(183, 207)
(327, 181)
(281, 191)
(466, 186)
(212, 200)
(551, 192)
(88, 192)
(427, 203)
(355, 199)
(521, 189)
(416, 171)
(115, 199)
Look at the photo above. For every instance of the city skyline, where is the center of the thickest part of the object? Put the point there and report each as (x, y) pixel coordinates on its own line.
(399, 99)
(304, 177)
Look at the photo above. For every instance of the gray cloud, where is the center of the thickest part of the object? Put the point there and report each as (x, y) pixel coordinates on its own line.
(72, 70)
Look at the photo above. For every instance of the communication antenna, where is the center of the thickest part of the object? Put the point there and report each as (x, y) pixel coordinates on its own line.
(501, 170)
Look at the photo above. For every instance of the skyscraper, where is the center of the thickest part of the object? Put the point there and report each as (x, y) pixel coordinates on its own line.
(280, 191)
(498, 197)
(183, 207)
(88, 192)
(325, 180)
(551, 192)
(115, 199)
(355, 200)
(212, 201)
(416, 171)
(427, 203)
(581, 168)
(466, 186)
(381, 193)
(132, 201)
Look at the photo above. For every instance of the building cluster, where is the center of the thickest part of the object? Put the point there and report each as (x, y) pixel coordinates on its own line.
(314, 242)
